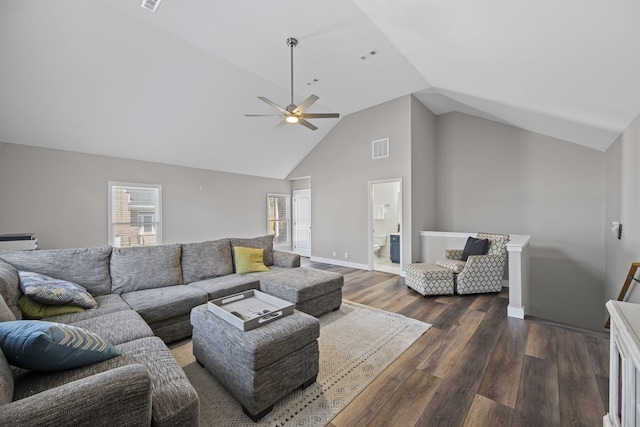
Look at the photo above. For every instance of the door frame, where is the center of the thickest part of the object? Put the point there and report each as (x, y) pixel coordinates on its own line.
(294, 220)
(370, 217)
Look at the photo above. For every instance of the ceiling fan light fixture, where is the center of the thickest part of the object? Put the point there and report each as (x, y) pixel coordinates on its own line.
(292, 119)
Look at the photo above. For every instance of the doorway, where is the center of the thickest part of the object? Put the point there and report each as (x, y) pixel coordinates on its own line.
(302, 222)
(385, 223)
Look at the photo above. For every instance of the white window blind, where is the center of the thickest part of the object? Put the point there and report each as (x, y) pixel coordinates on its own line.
(279, 218)
(135, 217)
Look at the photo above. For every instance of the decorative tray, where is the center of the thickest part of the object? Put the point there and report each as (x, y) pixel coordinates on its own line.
(250, 309)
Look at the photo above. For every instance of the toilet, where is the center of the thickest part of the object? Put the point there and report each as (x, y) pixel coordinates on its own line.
(379, 240)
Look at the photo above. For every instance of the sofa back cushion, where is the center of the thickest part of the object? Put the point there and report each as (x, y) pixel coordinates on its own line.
(6, 381)
(10, 289)
(206, 260)
(145, 267)
(264, 242)
(88, 267)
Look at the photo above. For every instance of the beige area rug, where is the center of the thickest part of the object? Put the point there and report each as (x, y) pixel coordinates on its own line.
(356, 343)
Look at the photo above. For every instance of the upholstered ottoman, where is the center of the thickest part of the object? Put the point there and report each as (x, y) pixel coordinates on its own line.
(313, 291)
(260, 366)
(429, 279)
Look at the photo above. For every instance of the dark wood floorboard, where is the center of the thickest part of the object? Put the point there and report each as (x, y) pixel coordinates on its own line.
(475, 366)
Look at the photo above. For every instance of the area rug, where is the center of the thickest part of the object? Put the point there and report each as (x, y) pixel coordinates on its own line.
(356, 344)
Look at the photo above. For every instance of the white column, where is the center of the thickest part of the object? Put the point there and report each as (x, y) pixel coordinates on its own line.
(518, 248)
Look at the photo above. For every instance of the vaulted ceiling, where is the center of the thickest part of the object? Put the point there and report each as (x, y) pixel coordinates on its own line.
(111, 78)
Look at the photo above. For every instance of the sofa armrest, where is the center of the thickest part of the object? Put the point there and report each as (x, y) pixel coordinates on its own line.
(118, 397)
(286, 259)
(453, 254)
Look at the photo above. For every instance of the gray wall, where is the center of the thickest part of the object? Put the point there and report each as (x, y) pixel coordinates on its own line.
(340, 168)
(423, 174)
(62, 197)
(498, 178)
(623, 204)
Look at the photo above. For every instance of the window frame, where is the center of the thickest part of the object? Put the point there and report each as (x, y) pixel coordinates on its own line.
(158, 211)
(288, 218)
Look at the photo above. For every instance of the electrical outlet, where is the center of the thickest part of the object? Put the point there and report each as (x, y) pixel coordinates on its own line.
(346, 254)
(334, 253)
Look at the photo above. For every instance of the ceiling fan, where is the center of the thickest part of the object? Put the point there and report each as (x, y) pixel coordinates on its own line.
(295, 113)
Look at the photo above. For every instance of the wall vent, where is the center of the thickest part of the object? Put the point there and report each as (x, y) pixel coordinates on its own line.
(380, 148)
(150, 5)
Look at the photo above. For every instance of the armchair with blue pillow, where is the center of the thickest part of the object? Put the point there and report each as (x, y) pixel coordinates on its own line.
(479, 267)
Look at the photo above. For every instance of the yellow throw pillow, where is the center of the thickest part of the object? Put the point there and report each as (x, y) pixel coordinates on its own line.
(32, 309)
(249, 260)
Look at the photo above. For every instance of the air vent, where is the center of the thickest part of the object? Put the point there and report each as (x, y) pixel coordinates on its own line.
(150, 5)
(380, 148)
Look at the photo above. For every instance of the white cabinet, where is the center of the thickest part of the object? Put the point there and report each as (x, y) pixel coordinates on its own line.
(624, 362)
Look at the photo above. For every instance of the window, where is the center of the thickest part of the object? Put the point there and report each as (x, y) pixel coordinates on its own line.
(279, 218)
(135, 214)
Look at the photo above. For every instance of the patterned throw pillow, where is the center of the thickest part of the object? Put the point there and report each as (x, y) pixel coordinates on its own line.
(47, 346)
(48, 290)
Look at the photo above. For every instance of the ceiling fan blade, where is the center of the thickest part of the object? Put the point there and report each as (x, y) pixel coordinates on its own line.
(307, 124)
(263, 115)
(320, 116)
(273, 104)
(305, 104)
(279, 125)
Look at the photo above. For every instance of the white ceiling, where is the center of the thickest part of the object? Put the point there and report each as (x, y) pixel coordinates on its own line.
(108, 77)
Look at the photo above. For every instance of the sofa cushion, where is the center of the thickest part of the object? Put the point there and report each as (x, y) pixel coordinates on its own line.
(32, 309)
(117, 328)
(49, 346)
(206, 260)
(264, 242)
(454, 265)
(88, 267)
(249, 260)
(48, 290)
(145, 267)
(10, 287)
(6, 381)
(163, 303)
(226, 285)
(174, 400)
(5, 312)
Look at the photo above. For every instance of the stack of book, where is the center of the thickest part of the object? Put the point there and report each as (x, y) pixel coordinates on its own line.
(18, 242)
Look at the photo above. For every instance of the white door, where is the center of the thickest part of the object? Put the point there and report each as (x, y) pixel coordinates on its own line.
(302, 222)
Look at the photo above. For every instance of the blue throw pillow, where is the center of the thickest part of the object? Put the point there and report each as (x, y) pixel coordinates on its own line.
(49, 346)
(474, 247)
(48, 290)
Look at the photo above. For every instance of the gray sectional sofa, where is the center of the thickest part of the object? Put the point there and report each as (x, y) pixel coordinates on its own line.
(144, 296)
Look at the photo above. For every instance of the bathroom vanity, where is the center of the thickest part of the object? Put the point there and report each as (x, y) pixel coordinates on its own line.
(394, 250)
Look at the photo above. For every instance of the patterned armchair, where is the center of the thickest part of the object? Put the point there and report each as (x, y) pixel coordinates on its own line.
(480, 273)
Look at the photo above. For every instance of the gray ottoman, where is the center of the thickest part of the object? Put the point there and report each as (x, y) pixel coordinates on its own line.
(260, 366)
(313, 291)
(429, 279)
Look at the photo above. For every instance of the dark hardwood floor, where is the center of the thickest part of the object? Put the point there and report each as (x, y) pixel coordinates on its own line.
(476, 366)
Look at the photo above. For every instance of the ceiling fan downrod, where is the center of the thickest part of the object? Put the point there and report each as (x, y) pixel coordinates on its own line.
(292, 42)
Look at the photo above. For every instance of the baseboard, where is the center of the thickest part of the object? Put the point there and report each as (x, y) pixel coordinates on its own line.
(340, 263)
(505, 283)
(517, 312)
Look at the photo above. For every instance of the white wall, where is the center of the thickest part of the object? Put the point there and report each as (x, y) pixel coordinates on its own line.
(497, 178)
(623, 204)
(62, 197)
